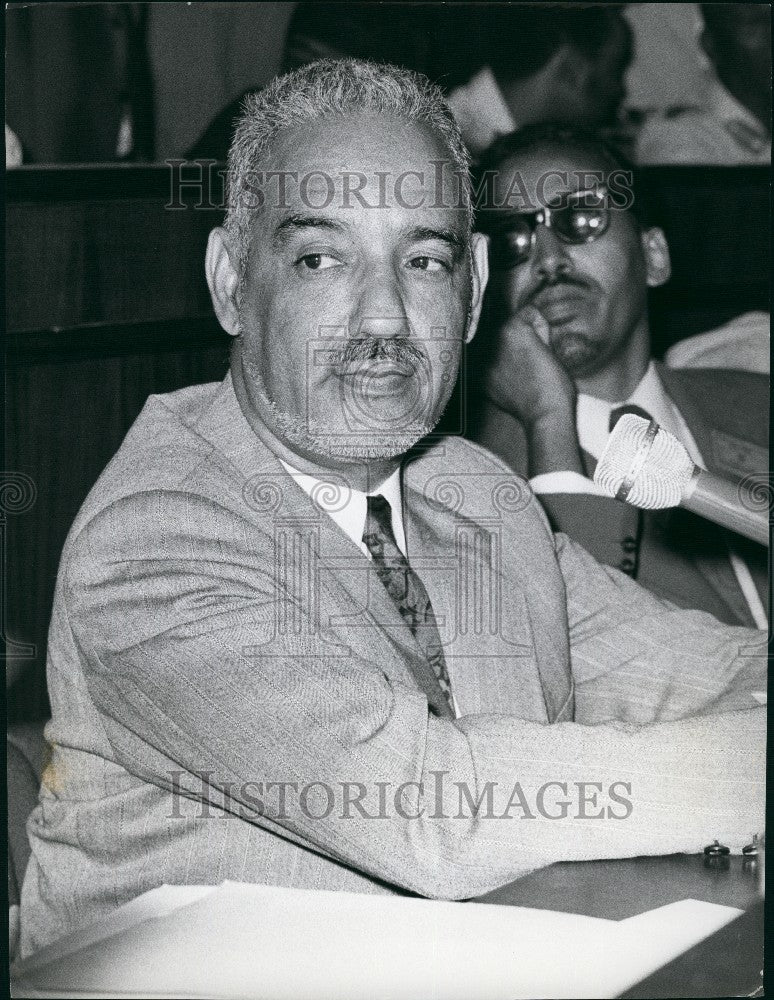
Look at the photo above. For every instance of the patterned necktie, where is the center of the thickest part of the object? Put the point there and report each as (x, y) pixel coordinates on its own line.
(409, 594)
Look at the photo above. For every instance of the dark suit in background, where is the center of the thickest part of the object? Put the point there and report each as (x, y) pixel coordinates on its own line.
(675, 554)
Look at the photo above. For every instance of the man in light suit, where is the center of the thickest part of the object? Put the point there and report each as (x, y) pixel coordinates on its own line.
(567, 346)
(298, 640)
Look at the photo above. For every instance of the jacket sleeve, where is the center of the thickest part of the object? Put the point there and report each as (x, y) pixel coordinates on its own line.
(171, 635)
(639, 658)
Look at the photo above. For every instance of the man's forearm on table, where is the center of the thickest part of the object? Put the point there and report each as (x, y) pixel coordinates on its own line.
(631, 790)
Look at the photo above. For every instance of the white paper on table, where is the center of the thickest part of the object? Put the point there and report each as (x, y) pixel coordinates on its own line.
(155, 903)
(651, 939)
(268, 943)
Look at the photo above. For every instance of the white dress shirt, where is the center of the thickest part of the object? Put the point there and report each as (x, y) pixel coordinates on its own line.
(348, 507)
(744, 342)
(723, 133)
(593, 421)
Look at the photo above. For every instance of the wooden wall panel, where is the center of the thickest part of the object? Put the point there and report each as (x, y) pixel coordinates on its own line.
(82, 262)
(64, 423)
(106, 303)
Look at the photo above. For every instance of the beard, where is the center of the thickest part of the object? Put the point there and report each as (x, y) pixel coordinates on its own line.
(577, 352)
(366, 434)
(317, 439)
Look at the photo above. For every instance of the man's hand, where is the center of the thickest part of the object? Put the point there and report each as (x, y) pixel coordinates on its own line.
(526, 379)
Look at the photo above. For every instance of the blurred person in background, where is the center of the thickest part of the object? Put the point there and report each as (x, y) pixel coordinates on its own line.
(501, 66)
(13, 150)
(544, 64)
(734, 127)
(417, 36)
(669, 67)
(78, 82)
(564, 350)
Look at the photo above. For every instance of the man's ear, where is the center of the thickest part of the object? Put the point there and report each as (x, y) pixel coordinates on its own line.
(479, 267)
(656, 250)
(569, 68)
(220, 264)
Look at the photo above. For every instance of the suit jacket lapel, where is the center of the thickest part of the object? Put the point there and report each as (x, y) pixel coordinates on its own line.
(723, 453)
(689, 411)
(503, 671)
(723, 458)
(318, 568)
(486, 623)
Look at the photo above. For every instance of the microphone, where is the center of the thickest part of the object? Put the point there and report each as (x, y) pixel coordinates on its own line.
(648, 467)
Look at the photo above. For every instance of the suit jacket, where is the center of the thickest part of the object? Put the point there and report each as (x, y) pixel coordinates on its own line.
(214, 632)
(677, 555)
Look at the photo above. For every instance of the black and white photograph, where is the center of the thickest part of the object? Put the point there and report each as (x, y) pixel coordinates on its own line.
(386, 507)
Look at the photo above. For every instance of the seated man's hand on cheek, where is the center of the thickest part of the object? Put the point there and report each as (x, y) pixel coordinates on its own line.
(525, 379)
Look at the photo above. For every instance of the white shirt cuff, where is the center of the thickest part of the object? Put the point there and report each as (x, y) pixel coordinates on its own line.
(565, 482)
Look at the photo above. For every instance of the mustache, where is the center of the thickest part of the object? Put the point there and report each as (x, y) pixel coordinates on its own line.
(399, 350)
(559, 281)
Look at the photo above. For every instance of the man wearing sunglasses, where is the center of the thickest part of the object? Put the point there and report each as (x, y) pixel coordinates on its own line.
(566, 349)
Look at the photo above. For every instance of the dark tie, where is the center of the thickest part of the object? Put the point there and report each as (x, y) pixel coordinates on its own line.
(409, 594)
(620, 411)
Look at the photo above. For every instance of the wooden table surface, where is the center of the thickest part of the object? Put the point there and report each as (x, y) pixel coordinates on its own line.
(726, 964)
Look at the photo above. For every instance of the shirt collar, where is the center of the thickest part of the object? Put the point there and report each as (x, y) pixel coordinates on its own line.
(726, 108)
(347, 506)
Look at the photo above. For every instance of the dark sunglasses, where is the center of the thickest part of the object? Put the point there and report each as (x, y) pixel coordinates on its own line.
(580, 217)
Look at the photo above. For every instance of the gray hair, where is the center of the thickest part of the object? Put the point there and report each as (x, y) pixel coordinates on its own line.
(332, 87)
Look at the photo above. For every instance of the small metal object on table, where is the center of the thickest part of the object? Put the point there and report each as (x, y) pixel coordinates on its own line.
(716, 855)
